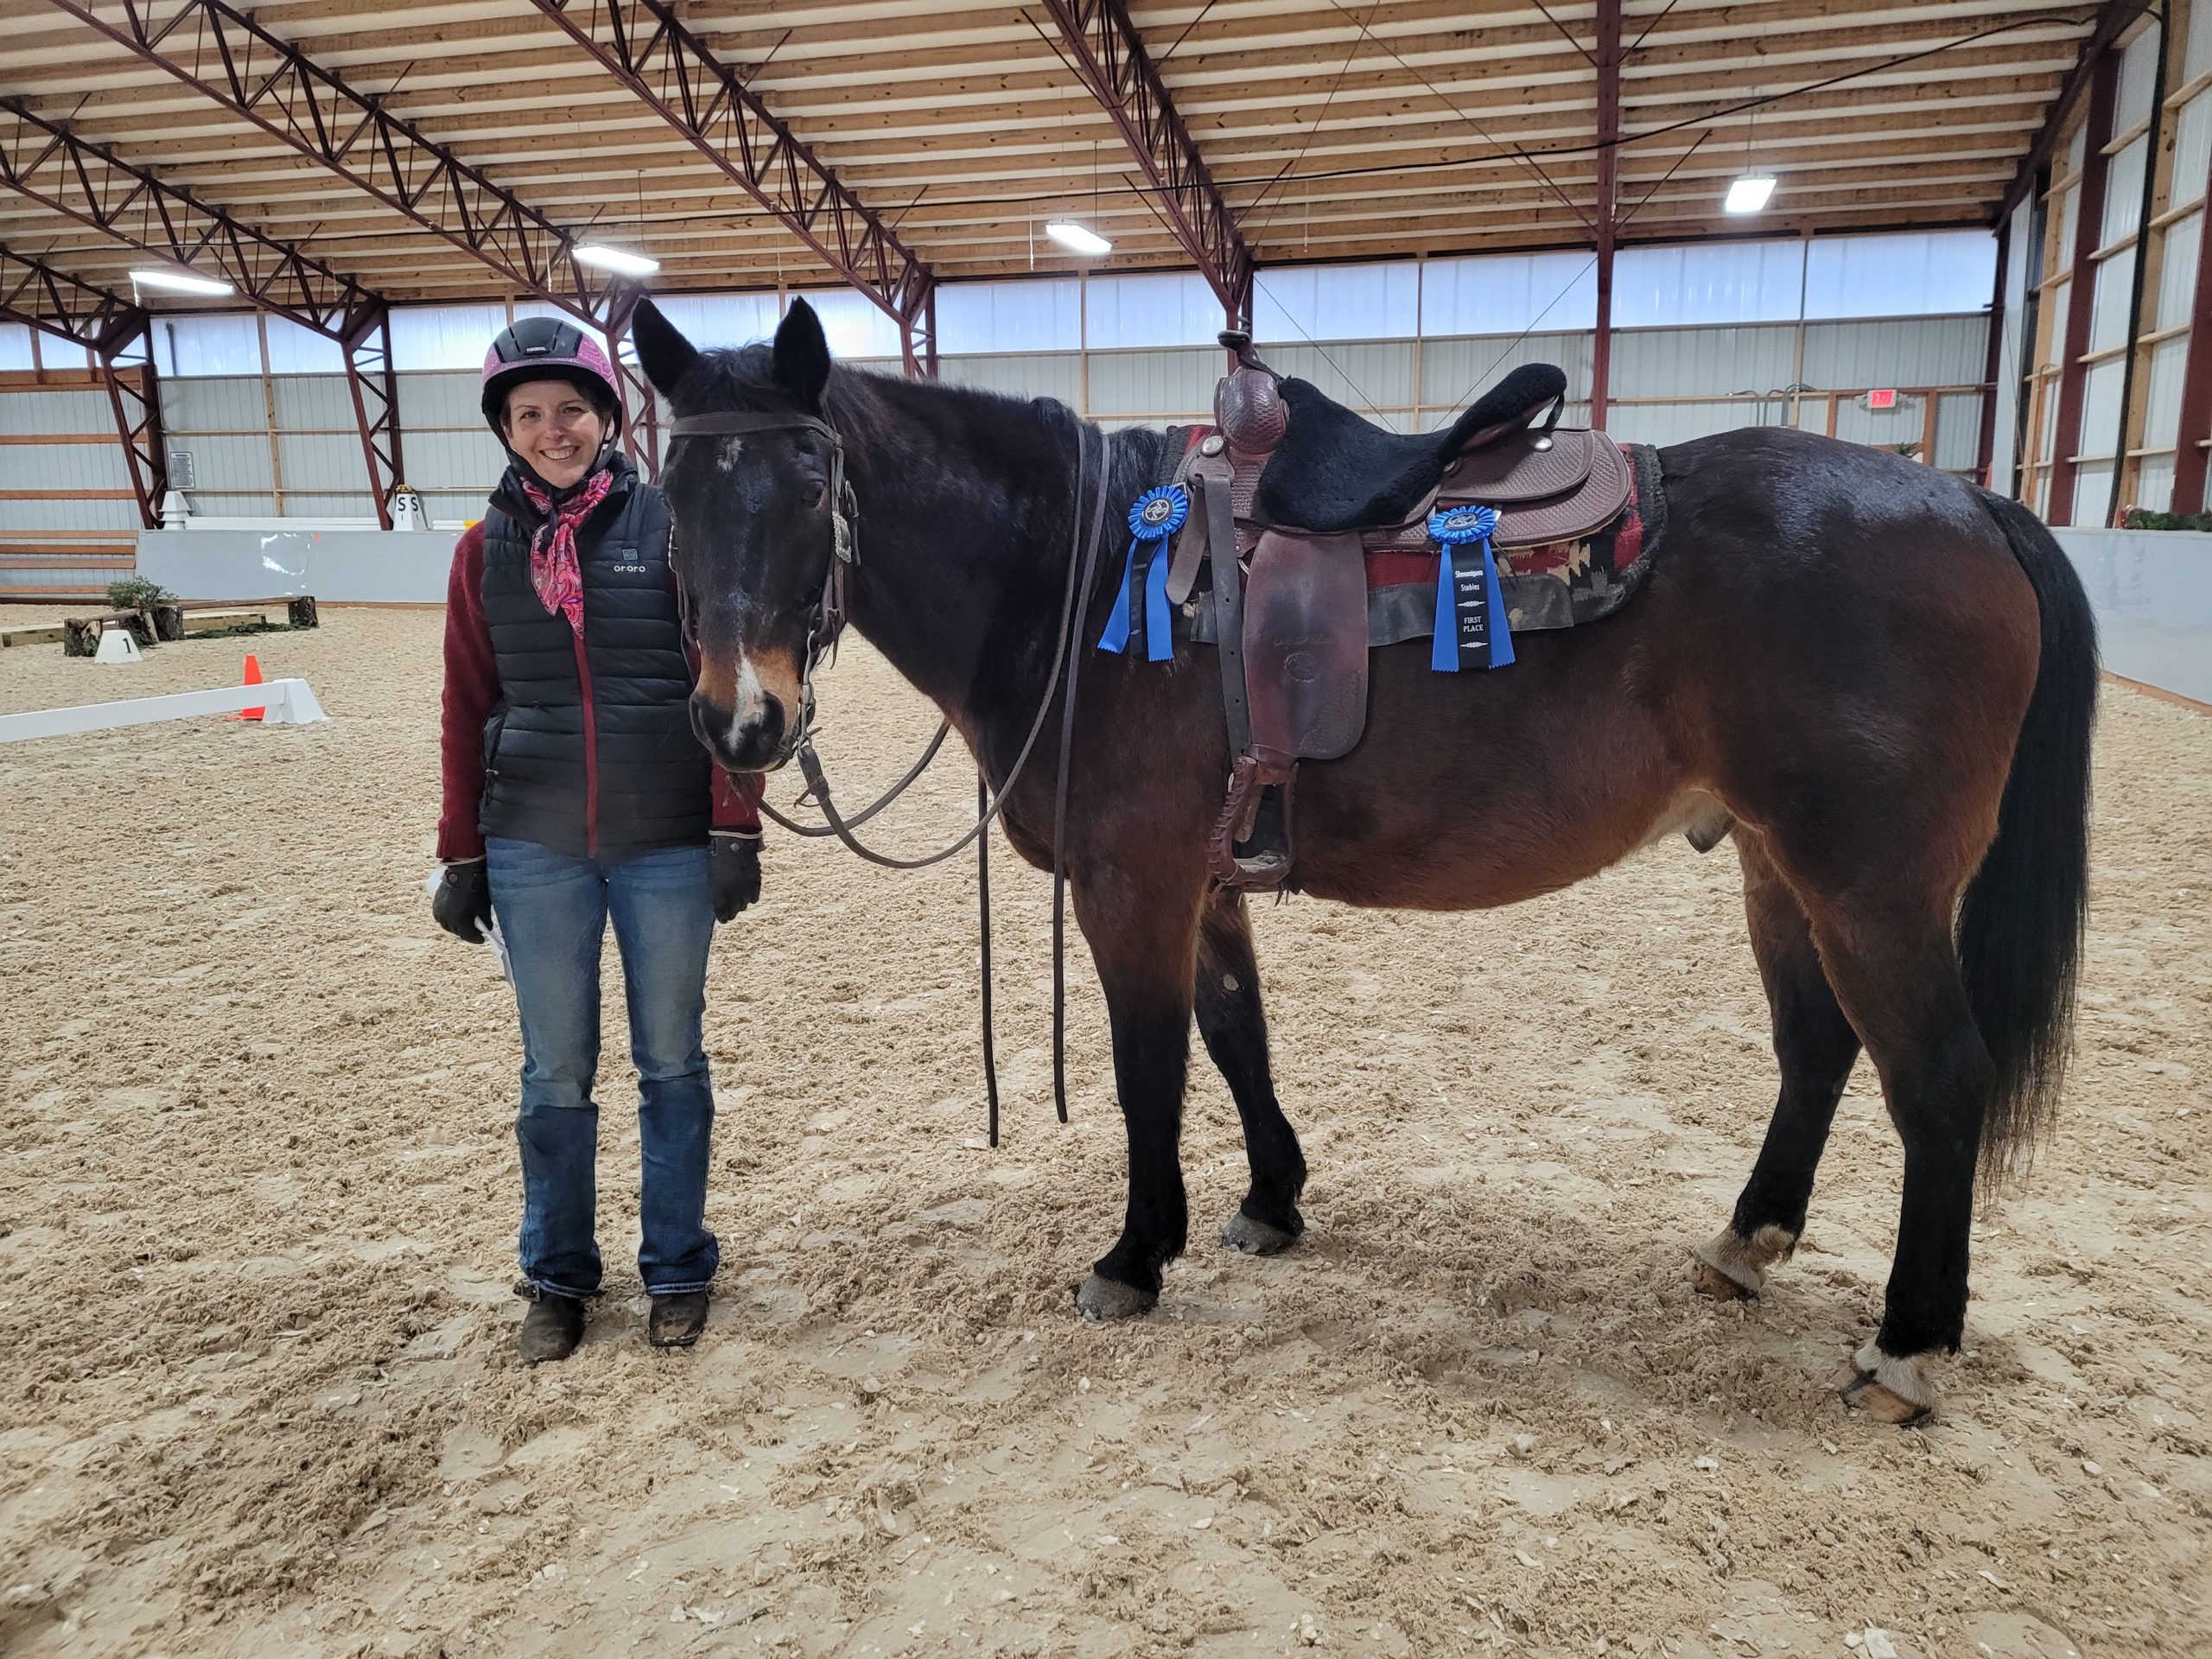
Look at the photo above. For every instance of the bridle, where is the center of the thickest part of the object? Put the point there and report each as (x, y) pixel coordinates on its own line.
(828, 622)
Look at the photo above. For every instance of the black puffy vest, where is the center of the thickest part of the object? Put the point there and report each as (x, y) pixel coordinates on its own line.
(618, 772)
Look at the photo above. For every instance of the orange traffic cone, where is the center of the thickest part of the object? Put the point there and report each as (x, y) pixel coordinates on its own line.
(253, 678)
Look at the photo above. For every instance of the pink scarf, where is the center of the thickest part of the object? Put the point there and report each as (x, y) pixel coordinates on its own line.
(554, 571)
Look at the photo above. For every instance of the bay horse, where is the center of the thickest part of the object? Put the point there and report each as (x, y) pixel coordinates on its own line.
(1885, 677)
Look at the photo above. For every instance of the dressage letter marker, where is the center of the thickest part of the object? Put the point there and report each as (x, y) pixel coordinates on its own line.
(1156, 515)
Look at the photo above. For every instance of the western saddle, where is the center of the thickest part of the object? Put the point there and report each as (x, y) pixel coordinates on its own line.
(1287, 494)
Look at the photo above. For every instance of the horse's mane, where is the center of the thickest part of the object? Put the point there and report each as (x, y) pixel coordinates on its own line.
(859, 400)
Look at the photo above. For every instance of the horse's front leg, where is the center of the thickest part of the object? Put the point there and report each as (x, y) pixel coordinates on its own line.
(1235, 1026)
(1143, 929)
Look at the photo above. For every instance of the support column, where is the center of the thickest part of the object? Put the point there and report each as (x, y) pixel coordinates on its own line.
(369, 377)
(2082, 289)
(134, 393)
(1993, 359)
(2191, 456)
(1609, 133)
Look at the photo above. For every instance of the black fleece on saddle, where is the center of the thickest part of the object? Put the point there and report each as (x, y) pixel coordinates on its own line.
(1335, 470)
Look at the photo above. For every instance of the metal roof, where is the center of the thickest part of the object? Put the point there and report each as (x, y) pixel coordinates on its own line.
(1359, 129)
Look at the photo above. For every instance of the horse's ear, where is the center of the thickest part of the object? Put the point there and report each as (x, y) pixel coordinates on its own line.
(802, 354)
(662, 352)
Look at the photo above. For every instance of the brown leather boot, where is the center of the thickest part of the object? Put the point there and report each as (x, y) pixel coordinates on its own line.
(551, 1328)
(677, 1320)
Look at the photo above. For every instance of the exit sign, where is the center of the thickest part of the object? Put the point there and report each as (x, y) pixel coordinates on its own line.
(1884, 398)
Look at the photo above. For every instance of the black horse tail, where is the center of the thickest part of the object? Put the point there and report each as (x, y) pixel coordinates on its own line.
(2020, 922)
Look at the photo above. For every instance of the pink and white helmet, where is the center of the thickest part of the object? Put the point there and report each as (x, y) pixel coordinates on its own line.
(542, 348)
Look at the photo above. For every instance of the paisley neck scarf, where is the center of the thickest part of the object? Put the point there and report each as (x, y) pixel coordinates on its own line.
(554, 570)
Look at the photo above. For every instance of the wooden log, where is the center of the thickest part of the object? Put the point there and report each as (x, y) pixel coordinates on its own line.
(37, 633)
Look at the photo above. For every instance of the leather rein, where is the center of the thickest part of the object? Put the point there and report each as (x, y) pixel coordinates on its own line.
(825, 625)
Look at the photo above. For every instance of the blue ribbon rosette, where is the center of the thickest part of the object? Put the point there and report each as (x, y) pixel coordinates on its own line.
(1472, 631)
(1156, 515)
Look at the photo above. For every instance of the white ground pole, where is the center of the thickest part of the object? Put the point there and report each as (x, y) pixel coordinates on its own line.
(289, 703)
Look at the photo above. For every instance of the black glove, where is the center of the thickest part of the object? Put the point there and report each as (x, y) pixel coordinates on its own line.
(462, 903)
(733, 871)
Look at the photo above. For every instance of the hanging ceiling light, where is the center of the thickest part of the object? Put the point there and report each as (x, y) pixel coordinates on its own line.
(1076, 238)
(620, 261)
(180, 282)
(1749, 193)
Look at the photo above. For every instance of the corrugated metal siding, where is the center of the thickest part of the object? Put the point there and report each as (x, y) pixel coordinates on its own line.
(1454, 369)
(1703, 362)
(1175, 384)
(68, 515)
(231, 403)
(64, 466)
(44, 410)
(314, 403)
(440, 400)
(1042, 374)
(1897, 352)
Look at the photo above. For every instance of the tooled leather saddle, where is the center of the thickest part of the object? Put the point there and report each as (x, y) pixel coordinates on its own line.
(1288, 496)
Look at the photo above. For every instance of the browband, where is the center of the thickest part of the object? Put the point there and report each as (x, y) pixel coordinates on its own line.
(731, 422)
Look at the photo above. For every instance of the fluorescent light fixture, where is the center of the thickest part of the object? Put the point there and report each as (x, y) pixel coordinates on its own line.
(620, 261)
(1071, 235)
(181, 282)
(1749, 193)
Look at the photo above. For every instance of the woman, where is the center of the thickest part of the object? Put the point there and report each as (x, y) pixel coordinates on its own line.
(575, 790)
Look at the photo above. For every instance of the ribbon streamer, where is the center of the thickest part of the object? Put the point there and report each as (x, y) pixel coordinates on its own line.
(1470, 629)
(1156, 515)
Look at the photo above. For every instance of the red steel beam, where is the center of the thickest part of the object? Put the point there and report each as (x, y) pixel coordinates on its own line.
(706, 101)
(2081, 291)
(1609, 138)
(1993, 362)
(49, 164)
(2195, 427)
(2112, 19)
(229, 57)
(1108, 54)
(233, 59)
(37, 295)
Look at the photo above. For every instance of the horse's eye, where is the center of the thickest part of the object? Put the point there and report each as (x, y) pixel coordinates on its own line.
(816, 494)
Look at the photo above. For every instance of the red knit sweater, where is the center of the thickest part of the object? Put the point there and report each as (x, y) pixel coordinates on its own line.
(472, 691)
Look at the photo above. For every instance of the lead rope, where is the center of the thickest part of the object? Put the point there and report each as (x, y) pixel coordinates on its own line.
(1060, 785)
(983, 932)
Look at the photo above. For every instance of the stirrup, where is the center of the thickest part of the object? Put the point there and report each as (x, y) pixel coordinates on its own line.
(1250, 847)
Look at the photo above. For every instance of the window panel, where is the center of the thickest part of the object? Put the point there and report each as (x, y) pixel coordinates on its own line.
(1914, 274)
(207, 345)
(1505, 293)
(295, 350)
(2162, 393)
(1721, 282)
(444, 336)
(1169, 309)
(855, 325)
(1317, 303)
(714, 320)
(2139, 71)
(1021, 316)
(14, 346)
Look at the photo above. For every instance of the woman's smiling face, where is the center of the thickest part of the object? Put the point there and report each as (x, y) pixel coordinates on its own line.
(552, 425)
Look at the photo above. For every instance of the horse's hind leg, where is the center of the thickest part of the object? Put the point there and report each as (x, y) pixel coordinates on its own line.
(1896, 973)
(1235, 1027)
(1816, 1048)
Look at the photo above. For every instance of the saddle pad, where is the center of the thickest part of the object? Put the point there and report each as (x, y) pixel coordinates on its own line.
(1558, 585)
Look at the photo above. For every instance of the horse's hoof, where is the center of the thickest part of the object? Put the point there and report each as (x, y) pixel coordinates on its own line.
(1255, 1237)
(1729, 1267)
(1888, 1389)
(1101, 1300)
(1710, 1283)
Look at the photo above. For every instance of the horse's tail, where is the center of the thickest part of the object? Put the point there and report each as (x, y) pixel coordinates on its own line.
(2020, 922)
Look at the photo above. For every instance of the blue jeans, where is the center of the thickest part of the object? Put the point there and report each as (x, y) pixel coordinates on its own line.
(553, 911)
